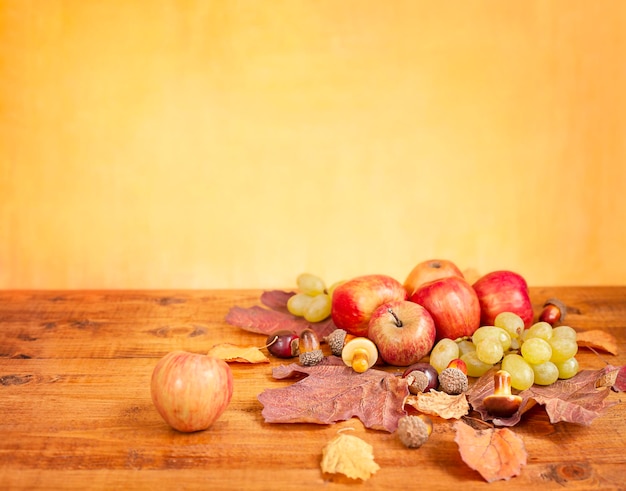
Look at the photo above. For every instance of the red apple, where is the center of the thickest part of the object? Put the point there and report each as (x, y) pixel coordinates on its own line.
(503, 291)
(355, 300)
(430, 270)
(453, 304)
(403, 331)
(191, 391)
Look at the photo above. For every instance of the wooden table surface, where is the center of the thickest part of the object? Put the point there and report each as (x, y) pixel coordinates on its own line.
(76, 412)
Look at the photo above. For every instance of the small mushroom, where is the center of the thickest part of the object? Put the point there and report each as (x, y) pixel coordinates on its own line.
(553, 312)
(359, 353)
(310, 351)
(502, 403)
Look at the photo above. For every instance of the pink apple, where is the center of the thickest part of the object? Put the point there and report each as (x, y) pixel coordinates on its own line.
(503, 291)
(403, 331)
(430, 270)
(355, 300)
(453, 304)
(191, 391)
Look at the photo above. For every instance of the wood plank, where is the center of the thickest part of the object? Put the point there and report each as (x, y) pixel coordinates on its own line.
(75, 408)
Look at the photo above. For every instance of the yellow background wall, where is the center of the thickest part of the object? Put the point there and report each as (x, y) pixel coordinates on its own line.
(234, 143)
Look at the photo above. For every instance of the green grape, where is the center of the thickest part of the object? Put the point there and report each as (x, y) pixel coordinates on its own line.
(541, 330)
(545, 373)
(568, 368)
(563, 349)
(492, 332)
(489, 351)
(310, 284)
(510, 322)
(443, 353)
(465, 346)
(522, 375)
(564, 332)
(298, 303)
(318, 309)
(475, 367)
(536, 351)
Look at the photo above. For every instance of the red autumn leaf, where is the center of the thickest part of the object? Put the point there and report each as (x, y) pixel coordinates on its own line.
(265, 321)
(496, 453)
(276, 299)
(331, 393)
(578, 400)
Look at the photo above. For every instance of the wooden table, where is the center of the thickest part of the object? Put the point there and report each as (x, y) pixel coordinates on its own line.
(76, 412)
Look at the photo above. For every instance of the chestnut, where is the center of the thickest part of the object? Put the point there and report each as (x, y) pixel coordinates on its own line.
(415, 377)
(283, 344)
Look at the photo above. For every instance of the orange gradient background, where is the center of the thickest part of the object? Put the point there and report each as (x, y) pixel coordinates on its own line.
(235, 144)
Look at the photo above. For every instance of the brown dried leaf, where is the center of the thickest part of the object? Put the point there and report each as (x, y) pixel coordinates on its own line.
(598, 340)
(331, 393)
(349, 455)
(496, 453)
(265, 321)
(620, 380)
(439, 404)
(578, 400)
(233, 353)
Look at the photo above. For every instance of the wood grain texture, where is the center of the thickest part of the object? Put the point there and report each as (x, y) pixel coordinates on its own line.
(75, 408)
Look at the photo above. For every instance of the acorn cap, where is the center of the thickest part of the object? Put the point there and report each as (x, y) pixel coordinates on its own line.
(414, 431)
(336, 340)
(453, 381)
(417, 381)
(310, 358)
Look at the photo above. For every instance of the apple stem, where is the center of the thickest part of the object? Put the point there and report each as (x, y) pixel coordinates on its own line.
(398, 321)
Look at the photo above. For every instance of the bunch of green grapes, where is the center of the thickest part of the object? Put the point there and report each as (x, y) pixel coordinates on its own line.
(539, 355)
(313, 300)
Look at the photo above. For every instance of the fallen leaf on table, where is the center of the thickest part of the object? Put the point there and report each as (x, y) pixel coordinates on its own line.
(232, 352)
(349, 455)
(496, 453)
(598, 340)
(579, 399)
(620, 380)
(262, 320)
(439, 404)
(331, 393)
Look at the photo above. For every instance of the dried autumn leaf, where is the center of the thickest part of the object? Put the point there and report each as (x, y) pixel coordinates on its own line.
(349, 455)
(267, 320)
(598, 340)
(234, 353)
(439, 404)
(496, 453)
(578, 400)
(331, 393)
(620, 380)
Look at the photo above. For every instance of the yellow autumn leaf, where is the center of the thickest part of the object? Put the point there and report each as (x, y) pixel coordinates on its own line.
(597, 339)
(349, 455)
(231, 352)
(439, 404)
